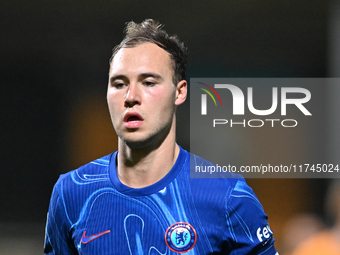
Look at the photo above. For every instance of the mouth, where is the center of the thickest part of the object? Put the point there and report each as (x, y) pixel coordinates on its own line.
(133, 120)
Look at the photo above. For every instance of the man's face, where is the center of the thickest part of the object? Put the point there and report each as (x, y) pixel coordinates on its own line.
(141, 94)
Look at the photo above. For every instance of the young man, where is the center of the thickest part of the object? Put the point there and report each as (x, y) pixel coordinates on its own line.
(141, 199)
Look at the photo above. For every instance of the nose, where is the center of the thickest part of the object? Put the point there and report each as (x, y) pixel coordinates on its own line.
(133, 96)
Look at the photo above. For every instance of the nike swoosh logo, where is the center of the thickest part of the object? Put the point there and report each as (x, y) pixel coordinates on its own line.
(88, 239)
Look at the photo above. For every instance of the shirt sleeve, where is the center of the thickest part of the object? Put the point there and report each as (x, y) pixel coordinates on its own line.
(247, 223)
(57, 234)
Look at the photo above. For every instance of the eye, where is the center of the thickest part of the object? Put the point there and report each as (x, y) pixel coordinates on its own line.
(149, 83)
(118, 84)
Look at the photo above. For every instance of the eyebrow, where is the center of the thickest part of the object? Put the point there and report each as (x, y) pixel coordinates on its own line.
(119, 76)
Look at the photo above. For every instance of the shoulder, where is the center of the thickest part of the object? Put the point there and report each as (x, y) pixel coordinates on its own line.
(231, 187)
(83, 178)
(220, 189)
(94, 170)
(203, 171)
(72, 189)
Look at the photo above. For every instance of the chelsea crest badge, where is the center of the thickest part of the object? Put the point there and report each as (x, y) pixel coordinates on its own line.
(180, 237)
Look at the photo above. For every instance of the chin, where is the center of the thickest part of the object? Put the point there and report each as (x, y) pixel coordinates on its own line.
(149, 142)
(137, 143)
(140, 140)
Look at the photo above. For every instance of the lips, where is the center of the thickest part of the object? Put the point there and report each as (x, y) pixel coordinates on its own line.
(133, 120)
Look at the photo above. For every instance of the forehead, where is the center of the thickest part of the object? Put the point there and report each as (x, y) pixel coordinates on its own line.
(146, 57)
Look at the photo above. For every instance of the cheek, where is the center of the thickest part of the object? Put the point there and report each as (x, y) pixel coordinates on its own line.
(113, 104)
(164, 98)
(163, 107)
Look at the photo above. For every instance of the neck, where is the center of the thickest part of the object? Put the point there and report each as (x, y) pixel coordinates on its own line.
(138, 168)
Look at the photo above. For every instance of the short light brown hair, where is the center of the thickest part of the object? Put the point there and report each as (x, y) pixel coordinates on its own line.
(151, 31)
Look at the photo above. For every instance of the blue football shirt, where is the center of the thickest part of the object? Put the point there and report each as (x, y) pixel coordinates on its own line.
(92, 212)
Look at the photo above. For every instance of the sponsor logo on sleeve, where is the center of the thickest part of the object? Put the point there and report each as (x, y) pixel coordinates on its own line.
(263, 233)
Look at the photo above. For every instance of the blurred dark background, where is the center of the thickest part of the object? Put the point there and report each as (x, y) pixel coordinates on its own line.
(54, 66)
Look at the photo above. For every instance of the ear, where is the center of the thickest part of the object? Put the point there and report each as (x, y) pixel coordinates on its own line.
(181, 92)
